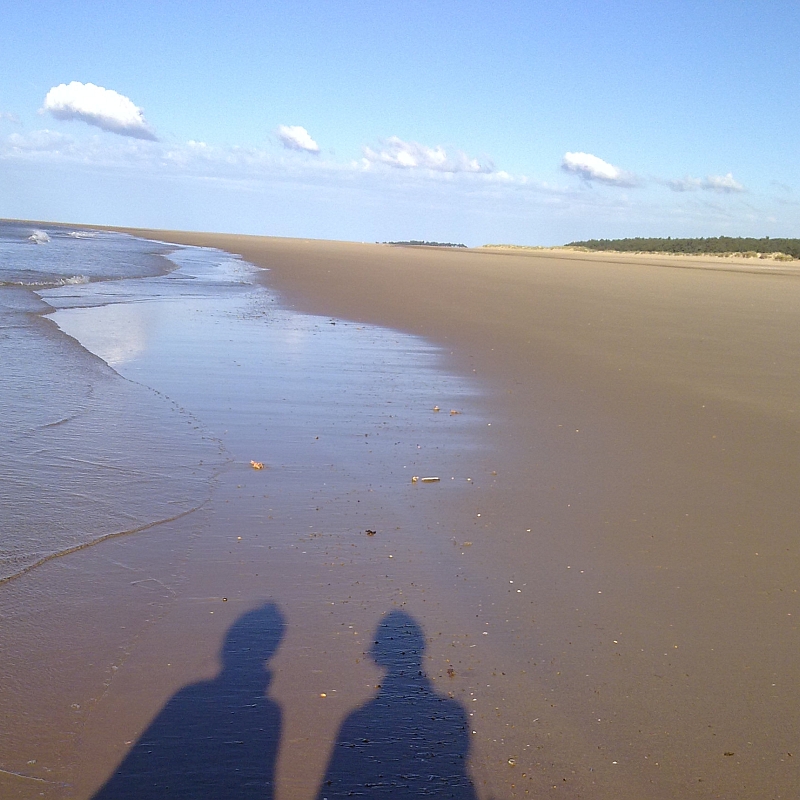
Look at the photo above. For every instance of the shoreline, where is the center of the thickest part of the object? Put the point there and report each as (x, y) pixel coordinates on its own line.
(734, 262)
(636, 492)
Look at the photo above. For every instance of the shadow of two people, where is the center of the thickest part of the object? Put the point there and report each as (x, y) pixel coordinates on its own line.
(219, 738)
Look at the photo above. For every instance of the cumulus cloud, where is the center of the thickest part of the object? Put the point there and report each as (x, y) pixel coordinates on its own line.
(394, 152)
(295, 137)
(94, 105)
(722, 184)
(592, 168)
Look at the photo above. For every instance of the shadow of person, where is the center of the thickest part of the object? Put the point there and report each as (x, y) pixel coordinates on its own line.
(408, 741)
(216, 739)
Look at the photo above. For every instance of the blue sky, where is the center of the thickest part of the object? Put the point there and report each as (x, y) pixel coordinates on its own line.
(523, 122)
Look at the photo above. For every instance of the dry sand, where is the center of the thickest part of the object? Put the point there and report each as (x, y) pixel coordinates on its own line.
(638, 483)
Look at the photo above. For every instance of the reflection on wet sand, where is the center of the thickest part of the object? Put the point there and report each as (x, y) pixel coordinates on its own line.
(116, 333)
(218, 738)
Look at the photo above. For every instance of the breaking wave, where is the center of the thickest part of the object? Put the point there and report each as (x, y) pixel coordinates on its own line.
(48, 282)
(73, 280)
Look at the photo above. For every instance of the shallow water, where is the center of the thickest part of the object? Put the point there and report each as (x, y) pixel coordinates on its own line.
(222, 348)
(116, 426)
(84, 453)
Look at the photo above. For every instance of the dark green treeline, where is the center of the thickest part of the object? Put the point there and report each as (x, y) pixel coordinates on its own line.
(715, 245)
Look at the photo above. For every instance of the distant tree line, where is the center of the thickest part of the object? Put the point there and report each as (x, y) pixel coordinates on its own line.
(714, 245)
(427, 244)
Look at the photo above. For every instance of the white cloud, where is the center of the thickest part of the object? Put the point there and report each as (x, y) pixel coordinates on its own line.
(394, 152)
(43, 141)
(6, 116)
(687, 184)
(196, 184)
(724, 184)
(592, 168)
(252, 166)
(94, 105)
(295, 137)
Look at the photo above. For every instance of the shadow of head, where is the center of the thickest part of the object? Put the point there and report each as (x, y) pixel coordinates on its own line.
(408, 741)
(399, 643)
(253, 639)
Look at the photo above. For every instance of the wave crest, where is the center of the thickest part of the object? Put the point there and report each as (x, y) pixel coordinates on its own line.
(39, 237)
(49, 283)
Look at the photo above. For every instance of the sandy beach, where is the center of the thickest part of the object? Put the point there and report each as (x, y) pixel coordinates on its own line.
(605, 576)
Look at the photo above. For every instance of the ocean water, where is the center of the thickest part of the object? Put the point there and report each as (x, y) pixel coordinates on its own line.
(84, 453)
(134, 372)
(35, 257)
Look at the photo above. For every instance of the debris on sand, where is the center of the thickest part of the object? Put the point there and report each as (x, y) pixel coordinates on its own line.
(257, 464)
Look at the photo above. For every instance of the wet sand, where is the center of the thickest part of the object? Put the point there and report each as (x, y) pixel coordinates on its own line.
(623, 621)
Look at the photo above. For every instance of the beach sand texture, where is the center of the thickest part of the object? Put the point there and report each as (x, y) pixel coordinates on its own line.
(614, 589)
